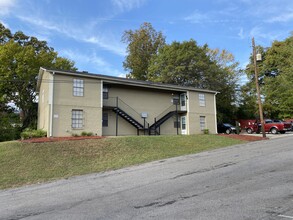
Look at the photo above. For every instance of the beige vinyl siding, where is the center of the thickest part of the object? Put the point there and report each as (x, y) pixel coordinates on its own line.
(139, 100)
(65, 102)
(143, 100)
(195, 111)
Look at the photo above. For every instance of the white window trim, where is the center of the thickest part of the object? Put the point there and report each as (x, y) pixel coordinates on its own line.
(76, 120)
(200, 122)
(78, 87)
(202, 99)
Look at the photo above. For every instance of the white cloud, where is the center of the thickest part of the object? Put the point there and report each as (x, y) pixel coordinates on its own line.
(81, 58)
(284, 17)
(107, 42)
(122, 75)
(241, 34)
(196, 17)
(103, 40)
(6, 6)
(91, 61)
(127, 5)
(265, 36)
(37, 21)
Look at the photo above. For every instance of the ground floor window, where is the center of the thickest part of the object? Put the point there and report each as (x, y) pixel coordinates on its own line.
(176, 122)
(105, 119)
(183, 122)
(77, 118)
(202, 122)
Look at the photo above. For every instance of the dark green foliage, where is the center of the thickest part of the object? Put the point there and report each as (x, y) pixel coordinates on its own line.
(21, 56)
(84, 133)
(275, 80)
(30, 133)
(183, 63)
(9, 129)
(188, 64)
(143, 44)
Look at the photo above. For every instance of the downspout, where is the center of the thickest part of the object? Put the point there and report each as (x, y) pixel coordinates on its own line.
(102, 105)
(52, 106)
(215, 108)
(187, 114)
(117, 116)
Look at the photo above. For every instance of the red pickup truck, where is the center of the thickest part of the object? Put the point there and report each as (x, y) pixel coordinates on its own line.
(273, 126)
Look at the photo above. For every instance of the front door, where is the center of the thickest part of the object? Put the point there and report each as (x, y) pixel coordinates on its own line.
(183, 125)
(183, 101)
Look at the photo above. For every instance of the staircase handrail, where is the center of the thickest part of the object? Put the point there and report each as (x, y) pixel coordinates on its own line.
(166, 111)
(112, 102)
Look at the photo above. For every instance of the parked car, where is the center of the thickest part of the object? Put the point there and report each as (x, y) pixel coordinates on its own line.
(247, 125)
(227, 128)
(273, 126)
(291, 122)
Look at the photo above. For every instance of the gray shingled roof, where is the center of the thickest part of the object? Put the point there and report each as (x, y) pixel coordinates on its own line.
(122, 81)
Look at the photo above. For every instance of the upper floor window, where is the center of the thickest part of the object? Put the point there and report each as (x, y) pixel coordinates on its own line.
(105, 92)
(202, 100)
(78, 87)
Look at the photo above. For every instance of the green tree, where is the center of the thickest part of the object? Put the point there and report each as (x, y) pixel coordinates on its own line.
(248, 107)
(142, 45)
(275, 79)
(278, 79)
(188, 64)
(21, 57)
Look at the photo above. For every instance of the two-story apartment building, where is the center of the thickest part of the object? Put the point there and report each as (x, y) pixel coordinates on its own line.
(73, 102)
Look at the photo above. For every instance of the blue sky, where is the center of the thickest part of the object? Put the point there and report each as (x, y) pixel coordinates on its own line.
(89, 31)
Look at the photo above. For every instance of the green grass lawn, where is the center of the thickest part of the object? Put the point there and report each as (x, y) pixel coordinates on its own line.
(27, 163)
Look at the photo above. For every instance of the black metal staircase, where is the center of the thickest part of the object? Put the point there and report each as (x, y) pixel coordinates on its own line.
(154, 129)
(128, 118)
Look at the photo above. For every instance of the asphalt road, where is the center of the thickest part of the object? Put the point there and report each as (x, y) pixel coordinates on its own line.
(249, 181)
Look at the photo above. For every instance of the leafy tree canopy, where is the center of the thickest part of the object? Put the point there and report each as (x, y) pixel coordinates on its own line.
(275, 79)
(142, 45)
(21, 56)
(278, 79)
(189, 64)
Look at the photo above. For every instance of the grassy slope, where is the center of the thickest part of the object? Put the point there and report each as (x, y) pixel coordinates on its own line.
(26, 163)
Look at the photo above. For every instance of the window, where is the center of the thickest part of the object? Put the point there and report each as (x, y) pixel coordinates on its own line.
(202, 122)
(177, 123)
(77, 87)
(183, 99)
(105, 93)
(105, 119)
(202, 101)
(183, 123)
(77, 119)
(175, 100)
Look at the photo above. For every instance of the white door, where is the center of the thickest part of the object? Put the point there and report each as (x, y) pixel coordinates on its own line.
(183, 125)
(183, 101)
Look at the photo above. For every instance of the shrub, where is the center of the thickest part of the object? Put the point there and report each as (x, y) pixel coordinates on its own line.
(206, 131)
(84, 133)
(30, 133)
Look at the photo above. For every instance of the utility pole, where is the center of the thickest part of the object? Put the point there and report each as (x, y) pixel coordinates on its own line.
(258, 91)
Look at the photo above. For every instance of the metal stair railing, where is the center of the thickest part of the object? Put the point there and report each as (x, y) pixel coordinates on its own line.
(126, 112)
(161, 118)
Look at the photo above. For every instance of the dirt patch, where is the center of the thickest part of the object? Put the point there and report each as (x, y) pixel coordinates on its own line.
(55, 139)
(244, 137)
